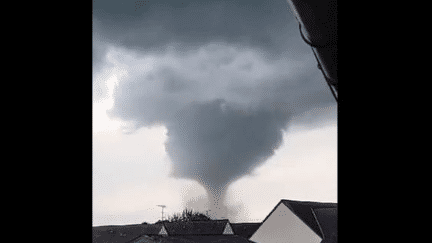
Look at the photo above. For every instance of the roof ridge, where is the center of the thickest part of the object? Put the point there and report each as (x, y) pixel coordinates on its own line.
(201, 221)
(287, 202)
(300, 208)
(313, 202)
(318, 223)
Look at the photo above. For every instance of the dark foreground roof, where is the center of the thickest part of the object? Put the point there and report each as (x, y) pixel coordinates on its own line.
(192, 239)
(144, 239)
(305, 211)
(327, 220)
(215, 239)
(245, 230)
(211, 227)
(123, 233)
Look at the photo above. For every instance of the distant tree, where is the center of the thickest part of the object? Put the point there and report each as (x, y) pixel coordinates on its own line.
(187, 216)
(144, 222)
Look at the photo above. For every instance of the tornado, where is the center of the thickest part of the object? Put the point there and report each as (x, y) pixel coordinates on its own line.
(225, 107)
(215, 144)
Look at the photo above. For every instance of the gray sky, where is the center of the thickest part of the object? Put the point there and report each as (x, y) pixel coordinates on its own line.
(223, 104)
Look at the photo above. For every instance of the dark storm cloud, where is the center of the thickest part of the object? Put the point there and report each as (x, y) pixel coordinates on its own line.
(224, 107)
(256, 23)
(225, 78)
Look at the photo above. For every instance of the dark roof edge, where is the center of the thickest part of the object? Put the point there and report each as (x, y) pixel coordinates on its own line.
(247, 223)
(319, 225)
(133, 239)
(281, 201)
(301, 218)
(200, 221)
(268, 215)
(324, 205)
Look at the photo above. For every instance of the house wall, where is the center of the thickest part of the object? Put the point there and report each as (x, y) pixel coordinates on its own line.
(228, 230)
(163, 231)
(283, 226)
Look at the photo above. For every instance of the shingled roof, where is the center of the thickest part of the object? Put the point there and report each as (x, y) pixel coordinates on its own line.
(151, 229)
(192, 239)
(211, 227)
(245, 230)
(123, 233)
(213, 239)
(305, 211)
(327, 221)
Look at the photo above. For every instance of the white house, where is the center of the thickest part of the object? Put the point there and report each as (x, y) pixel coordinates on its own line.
(293, 221)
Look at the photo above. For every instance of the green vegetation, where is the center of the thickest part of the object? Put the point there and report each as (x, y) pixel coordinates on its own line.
(186, 216)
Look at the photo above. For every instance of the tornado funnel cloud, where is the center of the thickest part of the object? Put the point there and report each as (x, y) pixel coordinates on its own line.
(223, 120)
(216, 144)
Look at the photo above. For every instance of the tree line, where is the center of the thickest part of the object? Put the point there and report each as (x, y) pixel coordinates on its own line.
(186, 216)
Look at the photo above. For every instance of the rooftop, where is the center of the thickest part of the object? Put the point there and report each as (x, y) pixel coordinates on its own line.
(212, 227)
(327, 221)
(245, 230)
(305, 211)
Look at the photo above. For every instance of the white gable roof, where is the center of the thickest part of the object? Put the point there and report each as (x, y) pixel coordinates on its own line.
(163, 231)
(283, 226)
(228, 230)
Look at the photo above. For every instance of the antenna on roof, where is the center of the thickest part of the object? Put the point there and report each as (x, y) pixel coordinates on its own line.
(162, 206)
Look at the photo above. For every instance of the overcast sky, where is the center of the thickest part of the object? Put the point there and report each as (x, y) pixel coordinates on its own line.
(195, 96)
